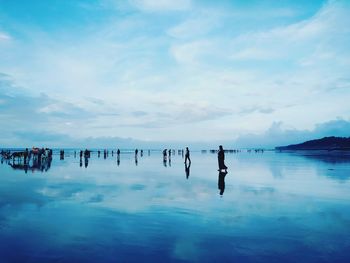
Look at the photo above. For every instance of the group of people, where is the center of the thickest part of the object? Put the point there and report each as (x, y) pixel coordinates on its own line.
(38, 155)
(221, 163)
(34, 159)
(221, 158)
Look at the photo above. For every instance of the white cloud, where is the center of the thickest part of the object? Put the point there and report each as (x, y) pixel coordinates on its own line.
(191, 52)
(161, 5)
(173, 76)
(198, 25)
(254, 53)
(4, 37)
(280, 134)
(326, 30)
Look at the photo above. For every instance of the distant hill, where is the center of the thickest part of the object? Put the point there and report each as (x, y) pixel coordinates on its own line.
(326, 143)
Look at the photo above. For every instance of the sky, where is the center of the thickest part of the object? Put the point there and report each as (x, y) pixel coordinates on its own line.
(107, 72)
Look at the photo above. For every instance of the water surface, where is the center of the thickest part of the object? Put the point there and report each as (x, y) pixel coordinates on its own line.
(274, 207)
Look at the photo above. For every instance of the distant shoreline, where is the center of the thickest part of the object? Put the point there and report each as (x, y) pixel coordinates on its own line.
(326, 144)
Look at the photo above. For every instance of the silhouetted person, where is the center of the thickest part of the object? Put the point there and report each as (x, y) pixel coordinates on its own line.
(187, 170)
(187, 155)
(136, 152)
(104, 154)
(221, 182)
(118, 152)
(81, 154)
(221, 159)
(112, 153)
(75, 154)
(141, 153)
(98, 153)
(169, 153)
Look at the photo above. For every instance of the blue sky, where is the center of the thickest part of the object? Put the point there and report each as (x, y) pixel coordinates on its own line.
(240, 72)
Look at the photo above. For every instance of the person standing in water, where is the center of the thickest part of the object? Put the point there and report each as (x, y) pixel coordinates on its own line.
(221, 159)
(187, 155)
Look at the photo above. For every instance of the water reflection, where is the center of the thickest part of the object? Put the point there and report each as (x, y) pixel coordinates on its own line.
(187, 170)
(86, 162)
(264, 219)
(327, 157)
(36, 164)
(221, 181)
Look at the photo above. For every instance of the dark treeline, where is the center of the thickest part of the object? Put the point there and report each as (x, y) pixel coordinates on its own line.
(326, 143)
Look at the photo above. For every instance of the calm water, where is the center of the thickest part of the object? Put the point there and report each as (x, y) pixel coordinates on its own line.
(275, 207)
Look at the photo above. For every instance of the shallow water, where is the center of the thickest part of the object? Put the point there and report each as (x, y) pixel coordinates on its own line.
(275, 207)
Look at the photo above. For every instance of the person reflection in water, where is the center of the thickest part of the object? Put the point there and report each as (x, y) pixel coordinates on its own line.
(187, 156)
(86, 157)
(221, 182)
(169, 157)
(118, 157)
(86, 161)
(164, 154)
(136, 161)
(187, 170)
(221, 159)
